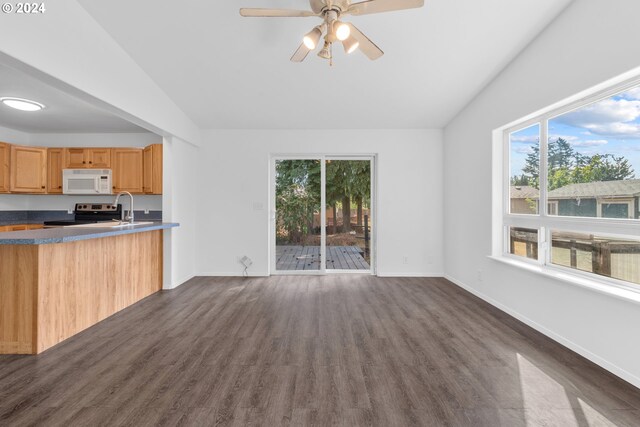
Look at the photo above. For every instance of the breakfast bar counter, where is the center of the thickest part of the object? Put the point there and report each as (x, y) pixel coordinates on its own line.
(57, 282)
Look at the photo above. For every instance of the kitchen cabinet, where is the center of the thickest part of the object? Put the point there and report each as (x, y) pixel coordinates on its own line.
(20, 227)
(28, 169)
(127, 165)
(5, 155)
(55, 164)
(87, 158)
(152, 169)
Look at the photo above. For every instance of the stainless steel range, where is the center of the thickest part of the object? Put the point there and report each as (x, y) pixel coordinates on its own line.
(90, 213)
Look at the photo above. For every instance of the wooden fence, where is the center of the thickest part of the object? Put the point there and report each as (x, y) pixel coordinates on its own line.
(618, 259)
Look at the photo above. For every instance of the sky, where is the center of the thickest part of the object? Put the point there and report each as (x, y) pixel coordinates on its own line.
(610, 126)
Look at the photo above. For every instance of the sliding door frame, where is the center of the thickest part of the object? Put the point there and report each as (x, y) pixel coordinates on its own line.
(372, 158)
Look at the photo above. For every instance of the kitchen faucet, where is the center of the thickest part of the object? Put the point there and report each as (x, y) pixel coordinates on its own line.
(129, 216)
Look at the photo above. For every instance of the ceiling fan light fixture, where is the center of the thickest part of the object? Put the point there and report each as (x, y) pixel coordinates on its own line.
(342, 30)
(350, 44)
(325, 53)
(312, 38)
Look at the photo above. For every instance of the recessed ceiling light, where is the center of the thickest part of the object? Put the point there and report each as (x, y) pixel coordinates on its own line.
(21, 104)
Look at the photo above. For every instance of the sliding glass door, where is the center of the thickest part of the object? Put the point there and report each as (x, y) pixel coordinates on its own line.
(298, 196)
(348, 193)
(322, 217)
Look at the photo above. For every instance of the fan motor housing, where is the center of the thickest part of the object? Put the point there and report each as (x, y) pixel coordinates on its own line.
(319, 6)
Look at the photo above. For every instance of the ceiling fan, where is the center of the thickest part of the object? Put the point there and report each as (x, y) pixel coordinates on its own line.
(332, 28)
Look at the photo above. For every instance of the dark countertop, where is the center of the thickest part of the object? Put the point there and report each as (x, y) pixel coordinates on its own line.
(73, 234)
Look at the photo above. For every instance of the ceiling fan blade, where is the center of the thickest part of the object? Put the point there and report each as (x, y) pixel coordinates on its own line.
(317, 5)
(367, 47)
(276, 13)
(301, 53)
(379, 6)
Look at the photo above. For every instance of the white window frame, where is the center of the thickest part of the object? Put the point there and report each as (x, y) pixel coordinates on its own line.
(543, 222)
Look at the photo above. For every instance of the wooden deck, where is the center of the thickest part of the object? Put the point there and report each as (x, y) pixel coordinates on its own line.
(290, 258)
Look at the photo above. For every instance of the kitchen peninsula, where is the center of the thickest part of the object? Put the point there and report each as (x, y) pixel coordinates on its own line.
(57, 282)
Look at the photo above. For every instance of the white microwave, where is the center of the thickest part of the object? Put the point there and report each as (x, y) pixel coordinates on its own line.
(86, 181)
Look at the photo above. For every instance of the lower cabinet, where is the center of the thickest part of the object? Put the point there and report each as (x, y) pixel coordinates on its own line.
(20, 227)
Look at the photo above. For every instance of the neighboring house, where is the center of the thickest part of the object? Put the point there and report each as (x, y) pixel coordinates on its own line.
(524, 199)
(608, 199)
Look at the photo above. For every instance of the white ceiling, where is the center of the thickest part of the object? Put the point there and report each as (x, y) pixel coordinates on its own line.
(63, 113)
(225, 71)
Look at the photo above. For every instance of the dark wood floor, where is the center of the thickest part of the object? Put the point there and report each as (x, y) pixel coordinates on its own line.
(337, 350)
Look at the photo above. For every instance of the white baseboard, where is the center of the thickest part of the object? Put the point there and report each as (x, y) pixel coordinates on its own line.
(614, 369)
(266, 274)
(386, 274)
(232, 274)
(179, 282)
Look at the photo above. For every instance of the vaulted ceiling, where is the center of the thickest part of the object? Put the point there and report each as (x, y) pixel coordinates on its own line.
(225, 71)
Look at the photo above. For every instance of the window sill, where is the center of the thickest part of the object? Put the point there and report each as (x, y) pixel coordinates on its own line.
(573, 279)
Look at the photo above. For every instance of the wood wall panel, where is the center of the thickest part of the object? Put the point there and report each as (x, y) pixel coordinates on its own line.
(49, 293)
(18, 293)
(89, 280)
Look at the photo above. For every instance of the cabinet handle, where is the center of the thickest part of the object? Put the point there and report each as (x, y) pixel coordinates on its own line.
(59, 186)
(83, 162)
(90, 162)
(43, 187)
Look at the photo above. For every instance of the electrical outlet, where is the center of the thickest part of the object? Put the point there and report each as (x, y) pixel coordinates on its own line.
(430, 260)
(257, 206)
(146, 211)
(405, 260)
(479, 275)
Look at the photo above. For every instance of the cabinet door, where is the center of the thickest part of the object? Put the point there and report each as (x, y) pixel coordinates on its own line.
(153, 169)
(55, 164)
(75, 158)
(99, 158)
(5, 155)
(28, 169)
(147, 169)
(18, 227)
(127, 169)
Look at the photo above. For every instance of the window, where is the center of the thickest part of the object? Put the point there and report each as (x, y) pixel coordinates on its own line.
(523, 242)
(524, 155)
(606, 256)
(582, 163)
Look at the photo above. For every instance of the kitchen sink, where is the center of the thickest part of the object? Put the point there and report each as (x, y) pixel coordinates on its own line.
(112, 224)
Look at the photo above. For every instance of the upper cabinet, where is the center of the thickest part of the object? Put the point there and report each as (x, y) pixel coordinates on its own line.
(28, 169)
(55, 164)
(87, 158)
(127, 165)
(152, 169)
(5, 156)
(38, 170)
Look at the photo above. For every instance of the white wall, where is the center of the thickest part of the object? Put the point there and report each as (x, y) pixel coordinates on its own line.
(182, 193)
(94, 139)
(592, 41)
(13, 136)
(234, 176)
